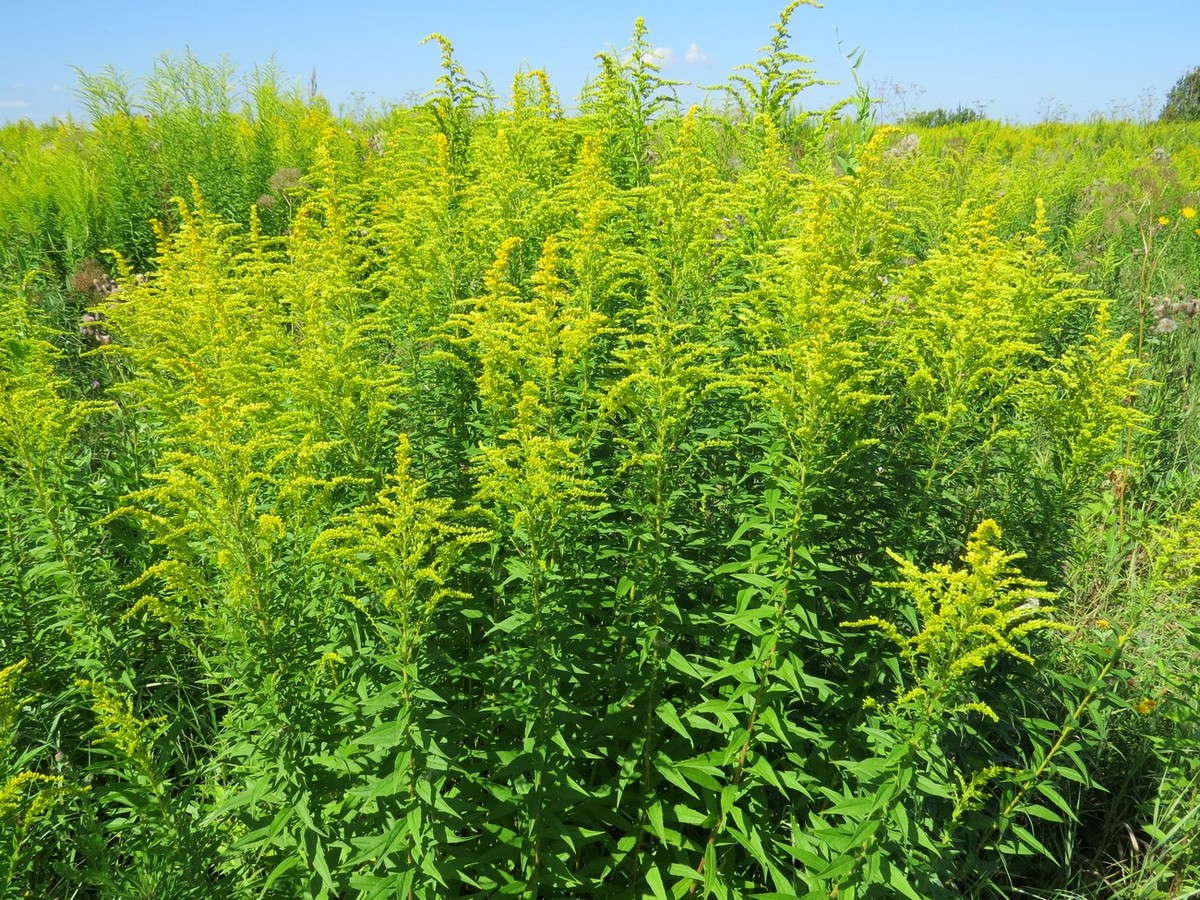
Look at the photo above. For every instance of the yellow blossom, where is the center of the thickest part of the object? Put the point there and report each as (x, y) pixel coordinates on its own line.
(1188, 212)
(1164, 220)
(1103, 623)
(1146, 706)
(271, 528)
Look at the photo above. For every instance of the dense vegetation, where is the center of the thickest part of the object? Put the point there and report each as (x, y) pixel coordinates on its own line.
(1183, 100)
(480, 501)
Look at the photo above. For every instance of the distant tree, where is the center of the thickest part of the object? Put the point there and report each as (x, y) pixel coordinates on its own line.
(936, 118)
(1183, 100)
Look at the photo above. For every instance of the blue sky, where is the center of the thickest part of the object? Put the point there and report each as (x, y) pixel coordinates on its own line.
(1021, 60)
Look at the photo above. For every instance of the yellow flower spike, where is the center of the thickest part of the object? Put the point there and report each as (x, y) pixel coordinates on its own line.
(979, 707)
(967, 617)
(10, 700)
(271, 528)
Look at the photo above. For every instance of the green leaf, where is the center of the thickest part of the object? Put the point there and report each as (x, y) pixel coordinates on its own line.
(654, 813)
(655, 880)
(390, 734)
(1038, 811)
(378, 847)
(1050, 792)
(836, 869)
(897, 880)
(668, 770)
(285, 865)
(700, 773)
(666, 712)
(733, 670)
(1028, 840)
(851, 806)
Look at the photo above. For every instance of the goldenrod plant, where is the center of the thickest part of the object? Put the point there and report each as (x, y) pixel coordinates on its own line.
(474, 498)
(27, 796)
(769, 88)
(622, 102)
(963, 620)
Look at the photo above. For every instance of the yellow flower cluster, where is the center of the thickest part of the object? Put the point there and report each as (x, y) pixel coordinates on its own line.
(116, 723)
(967, 617)
(20, 788)
(1189, 213)
(25, 796)
(1186, 212)
(271, 528)
(10, 701)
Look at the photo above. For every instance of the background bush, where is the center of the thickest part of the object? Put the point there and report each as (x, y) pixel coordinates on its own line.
(1183, 100)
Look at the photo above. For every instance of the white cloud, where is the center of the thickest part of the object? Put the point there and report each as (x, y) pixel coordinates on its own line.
(696, 55)
(664, 56)
(15, 104)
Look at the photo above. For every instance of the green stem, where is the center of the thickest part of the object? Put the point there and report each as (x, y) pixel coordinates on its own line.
(768, 663)
(999, 825)
(31, 645)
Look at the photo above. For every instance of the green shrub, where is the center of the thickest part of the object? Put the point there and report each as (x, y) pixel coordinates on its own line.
(1183, 100)
(940, 118)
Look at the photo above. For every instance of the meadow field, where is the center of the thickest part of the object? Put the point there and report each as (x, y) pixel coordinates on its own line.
(484, 499)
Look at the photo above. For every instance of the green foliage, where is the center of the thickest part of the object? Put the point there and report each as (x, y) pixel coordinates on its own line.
(73, 192)
(1183, 100)
(941, 118)
(770, 87)
(27, 797)
(623, 100)
(478, 504)
(966, 618)
(455, 100)
(905, 805)
(402, 550)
